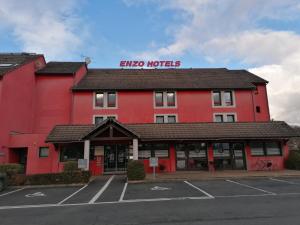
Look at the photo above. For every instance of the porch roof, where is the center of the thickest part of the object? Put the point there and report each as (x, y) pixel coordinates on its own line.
(182, 131)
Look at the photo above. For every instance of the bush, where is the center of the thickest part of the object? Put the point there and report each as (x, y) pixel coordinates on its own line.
(71, 166)
(51, 178)
(3, 181)
(293, 160)
(136, 170)
(11, 169)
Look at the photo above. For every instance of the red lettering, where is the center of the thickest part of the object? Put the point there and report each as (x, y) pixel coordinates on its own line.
(128, 63)
(177, 63)
(168, 63)
(122, 63)
(150, 64)
(155, 63)
(141, 63)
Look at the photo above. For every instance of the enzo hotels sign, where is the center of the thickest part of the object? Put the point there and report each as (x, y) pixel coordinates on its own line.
(150, 63)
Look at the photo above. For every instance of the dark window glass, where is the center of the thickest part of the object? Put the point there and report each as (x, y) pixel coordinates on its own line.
(258, 109)
(44, 152)
(171, 119)
(72, 152)
(159, 99)
(230, 118)
(171, 98)
(219, 118)
(257, 148)
(217, 98)
(99, 99)
(111, 117)
(111, 99)
(273, 148)
(228, 98)
(159, 119)
(221, 150)
(99, 119)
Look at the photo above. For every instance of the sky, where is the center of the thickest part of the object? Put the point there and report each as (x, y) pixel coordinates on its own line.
(260, 36)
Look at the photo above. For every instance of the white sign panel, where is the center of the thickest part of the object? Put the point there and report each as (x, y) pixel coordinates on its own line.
(82, 163)
(153, 161)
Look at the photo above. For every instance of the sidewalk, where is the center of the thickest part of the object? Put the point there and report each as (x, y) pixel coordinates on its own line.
(205, 175)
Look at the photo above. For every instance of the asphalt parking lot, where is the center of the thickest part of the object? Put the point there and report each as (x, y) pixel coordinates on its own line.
(115, 189)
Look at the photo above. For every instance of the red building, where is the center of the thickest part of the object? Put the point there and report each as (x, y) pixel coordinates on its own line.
(191, 119)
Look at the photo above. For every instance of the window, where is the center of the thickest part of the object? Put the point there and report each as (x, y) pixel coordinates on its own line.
(217, 98)
(165, 119)
(100, 119)
(111, 99)
(72, 152)
(223, 98)
(171, 98)
(159, 99)
(228, 98)
(257, 148)
(105, 99)
(224, 117)
(219, 118)
(43, 152)
(265, 148)
(165, 99)
(230, 118)
(258, 109)
(153, 150)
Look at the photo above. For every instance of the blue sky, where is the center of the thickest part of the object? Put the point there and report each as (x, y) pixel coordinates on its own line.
(261, 36)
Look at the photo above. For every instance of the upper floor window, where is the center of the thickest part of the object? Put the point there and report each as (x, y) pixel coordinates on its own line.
(100, 119)
(224, 117)
(165, 119)
(165, 99)
(223, 98)
(105, 99)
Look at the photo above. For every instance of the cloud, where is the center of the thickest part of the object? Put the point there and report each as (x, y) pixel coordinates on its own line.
(49, 27)
(236, 32)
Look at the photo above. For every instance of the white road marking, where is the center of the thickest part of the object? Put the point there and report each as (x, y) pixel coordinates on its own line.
(7, 193)
(239, 196)
(70, 196)
(123, 192)
(36, 194)
(199, 189)
(157, 188)
(248, 186)
(282, 181)
(100, 192)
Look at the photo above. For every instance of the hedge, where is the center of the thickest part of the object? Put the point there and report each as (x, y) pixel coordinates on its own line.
(11, 168)
(136, 170)
(71, 166)
(51, 178)
(293, 160)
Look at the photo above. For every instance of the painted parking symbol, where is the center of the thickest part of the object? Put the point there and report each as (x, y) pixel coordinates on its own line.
(36, 194)
(157, 188)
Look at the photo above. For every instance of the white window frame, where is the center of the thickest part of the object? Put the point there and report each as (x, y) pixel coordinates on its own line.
(104, 117)
(165, 103)
(166, 117)
(225, 116)
(105, 100)
(223, 100)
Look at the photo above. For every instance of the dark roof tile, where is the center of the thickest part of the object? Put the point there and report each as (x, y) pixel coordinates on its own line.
(60, 68)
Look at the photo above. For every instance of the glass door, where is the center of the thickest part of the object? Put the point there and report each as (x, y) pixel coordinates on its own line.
(110, 155)
(238, 156)
(122, 157)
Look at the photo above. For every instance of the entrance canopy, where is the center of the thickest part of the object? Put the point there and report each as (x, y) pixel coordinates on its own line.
(111, 129)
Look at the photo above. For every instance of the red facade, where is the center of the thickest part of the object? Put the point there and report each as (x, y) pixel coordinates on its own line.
(32, 104)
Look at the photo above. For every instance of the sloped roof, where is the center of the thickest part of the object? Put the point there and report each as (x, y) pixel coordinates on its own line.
(14, 60)
(185, 131)
(177, 79)
(60, 68)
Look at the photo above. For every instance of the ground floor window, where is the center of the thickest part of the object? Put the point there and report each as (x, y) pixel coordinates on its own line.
(43, 152)
(71, 152)
(269, 148)
(148, 150)
(191, 156)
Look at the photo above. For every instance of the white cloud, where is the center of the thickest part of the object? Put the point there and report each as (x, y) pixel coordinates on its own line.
(233, 31)
(49, 27)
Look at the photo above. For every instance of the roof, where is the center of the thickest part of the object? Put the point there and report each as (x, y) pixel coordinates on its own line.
(185, 131)
(60, 68)
(14, 60)
(171, 79)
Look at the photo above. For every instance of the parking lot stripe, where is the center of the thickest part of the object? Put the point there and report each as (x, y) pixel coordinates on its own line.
(123, 192)
(70, 196)
(7, 193)
(199, 189)
(248, 186)
(283, 181)
(100, 192)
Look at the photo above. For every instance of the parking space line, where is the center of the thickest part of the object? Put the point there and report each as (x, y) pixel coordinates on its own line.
(199, 189)
(123, 192)
(248, 186)
(70, 196)
(7, 193)
(282, 181)
(100, 192)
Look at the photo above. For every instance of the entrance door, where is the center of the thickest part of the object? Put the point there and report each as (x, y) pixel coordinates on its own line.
(115, 158)
(229, 156)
